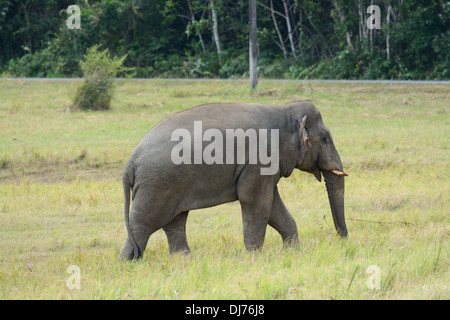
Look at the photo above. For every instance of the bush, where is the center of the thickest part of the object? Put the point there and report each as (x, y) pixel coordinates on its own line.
(99, 71)
(234, 64)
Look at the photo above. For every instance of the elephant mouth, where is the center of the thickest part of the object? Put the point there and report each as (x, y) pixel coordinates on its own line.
(317, 173)
(339, 173)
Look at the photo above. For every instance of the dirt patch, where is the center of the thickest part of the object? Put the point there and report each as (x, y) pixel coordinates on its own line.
(62, 173)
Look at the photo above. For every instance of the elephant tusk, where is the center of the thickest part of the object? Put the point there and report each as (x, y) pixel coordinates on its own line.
(339, 173)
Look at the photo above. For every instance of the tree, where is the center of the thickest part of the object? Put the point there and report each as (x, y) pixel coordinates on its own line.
(287, 12)
(253, 46)
(215, 28)
(197, 38)
(342, 19)
(281, 41)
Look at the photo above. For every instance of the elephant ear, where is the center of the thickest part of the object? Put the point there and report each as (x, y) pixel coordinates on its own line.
(305, 144)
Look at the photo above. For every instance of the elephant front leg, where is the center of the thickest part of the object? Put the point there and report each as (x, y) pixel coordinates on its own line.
(255, 196)
(281, 220)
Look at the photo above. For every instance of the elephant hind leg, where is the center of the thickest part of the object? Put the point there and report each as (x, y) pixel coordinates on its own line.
(144, 221)
(127, 252)
(141, 234)
(176, 233)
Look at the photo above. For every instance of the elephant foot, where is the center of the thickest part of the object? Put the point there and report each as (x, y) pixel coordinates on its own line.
(178, 243)
(185, 250)
(252, 247)
(127, 253)
(291, 242)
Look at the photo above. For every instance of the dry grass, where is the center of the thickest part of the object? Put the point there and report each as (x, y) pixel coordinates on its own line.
(61, 199)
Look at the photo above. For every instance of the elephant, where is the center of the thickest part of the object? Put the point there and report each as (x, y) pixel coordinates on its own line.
(164, 188)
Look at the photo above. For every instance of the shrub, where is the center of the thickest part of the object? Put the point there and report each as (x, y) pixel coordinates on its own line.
(99, 71)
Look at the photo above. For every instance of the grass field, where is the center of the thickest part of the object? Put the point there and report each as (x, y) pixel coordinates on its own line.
(61, 199)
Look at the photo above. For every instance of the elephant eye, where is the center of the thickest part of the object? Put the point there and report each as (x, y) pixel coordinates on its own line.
(324, 140)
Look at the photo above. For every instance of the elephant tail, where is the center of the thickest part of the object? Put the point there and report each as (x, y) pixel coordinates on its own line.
(128, 181)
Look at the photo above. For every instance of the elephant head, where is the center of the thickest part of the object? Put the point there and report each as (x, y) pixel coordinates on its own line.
(320, 157)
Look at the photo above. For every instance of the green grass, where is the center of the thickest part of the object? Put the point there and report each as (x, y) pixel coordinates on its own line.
(61, 198)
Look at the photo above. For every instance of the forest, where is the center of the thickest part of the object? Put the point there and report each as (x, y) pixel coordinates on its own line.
(297, 39)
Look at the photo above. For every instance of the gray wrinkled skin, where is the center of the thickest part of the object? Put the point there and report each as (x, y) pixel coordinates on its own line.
(163, 193)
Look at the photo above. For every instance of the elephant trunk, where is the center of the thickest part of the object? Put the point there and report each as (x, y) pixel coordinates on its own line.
(335, 187)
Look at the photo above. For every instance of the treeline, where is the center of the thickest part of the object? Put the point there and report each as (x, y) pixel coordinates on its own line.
(209, 38)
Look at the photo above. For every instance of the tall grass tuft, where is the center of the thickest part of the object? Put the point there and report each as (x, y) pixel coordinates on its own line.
(99, 71)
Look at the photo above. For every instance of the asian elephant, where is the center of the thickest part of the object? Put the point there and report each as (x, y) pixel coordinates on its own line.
(182, 165)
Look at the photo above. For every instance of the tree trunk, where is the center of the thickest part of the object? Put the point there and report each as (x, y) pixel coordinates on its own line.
(324, 41)
(253, 46)
(289, 28)
(27, 20)
(388, 36)
(362, 21)
(282, 46)
(215, 28)
(200, 38)
(347, 33)
(371, 33)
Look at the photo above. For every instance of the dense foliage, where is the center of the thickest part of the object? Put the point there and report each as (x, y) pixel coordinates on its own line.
(209, 38)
